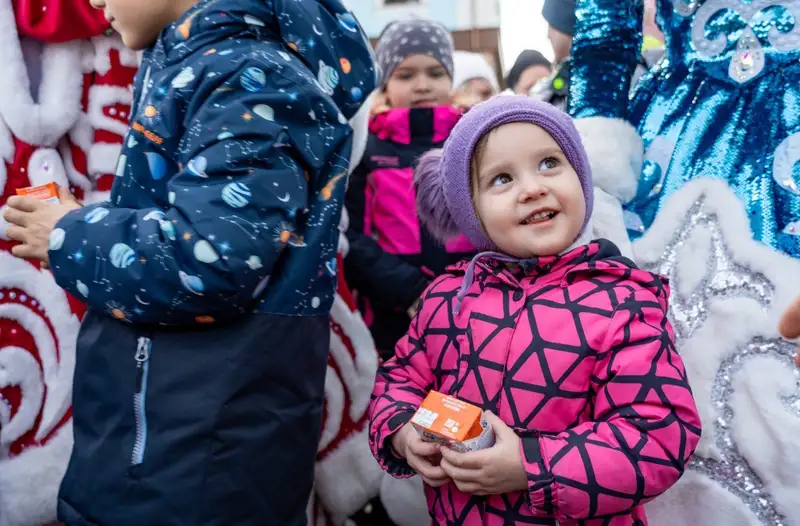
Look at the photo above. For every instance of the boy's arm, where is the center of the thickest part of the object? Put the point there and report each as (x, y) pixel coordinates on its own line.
(644, 429)
(384, 278)
(403, 382)
(233, 208)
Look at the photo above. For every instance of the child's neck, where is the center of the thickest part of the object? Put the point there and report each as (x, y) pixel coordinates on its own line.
(180, 7)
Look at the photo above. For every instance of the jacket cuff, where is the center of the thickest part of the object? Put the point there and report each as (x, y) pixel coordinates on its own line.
(615, 152)
(390, 461)
(541, 488)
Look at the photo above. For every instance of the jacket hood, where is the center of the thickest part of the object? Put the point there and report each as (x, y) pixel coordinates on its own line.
(403, 125)
(322, 33)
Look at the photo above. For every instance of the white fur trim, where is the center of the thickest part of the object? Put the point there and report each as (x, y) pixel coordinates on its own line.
(101, 97)
(348, 477)
(19, 367)
(360, 125)
(404, 501)
(102, 53)
(87, 56)
(763, 428)
(57, 367)
(29, 483)
(45, 165)
(615, 153)
(103, 157)
(607, 221)
(334, 408)
(357, 372)
(696, 500)
(3, 223)
(59, 92)
(6, 151)
(82, 133)
(75, 177)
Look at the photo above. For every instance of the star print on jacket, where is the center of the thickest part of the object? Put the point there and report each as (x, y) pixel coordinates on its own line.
(230, 183)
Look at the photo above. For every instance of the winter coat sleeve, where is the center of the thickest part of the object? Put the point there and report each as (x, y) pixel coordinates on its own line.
(605, 52)
(384, 278)
(401, 385)
(644, 431)
(231, 212)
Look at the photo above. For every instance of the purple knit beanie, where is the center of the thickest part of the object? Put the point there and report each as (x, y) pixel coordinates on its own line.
(443, 181)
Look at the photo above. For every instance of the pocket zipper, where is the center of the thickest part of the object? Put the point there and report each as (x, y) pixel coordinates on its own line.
(142, 358)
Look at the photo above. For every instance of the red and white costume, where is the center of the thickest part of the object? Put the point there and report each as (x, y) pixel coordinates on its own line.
(64, 103)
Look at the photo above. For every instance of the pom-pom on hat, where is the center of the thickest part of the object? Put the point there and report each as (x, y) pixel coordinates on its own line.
(443, 177)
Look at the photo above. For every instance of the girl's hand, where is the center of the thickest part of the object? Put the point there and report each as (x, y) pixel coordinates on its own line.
(419, 454)
(492, 471)
(790, 325)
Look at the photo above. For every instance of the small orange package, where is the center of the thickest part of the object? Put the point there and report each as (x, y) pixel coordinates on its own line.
(453, 423)
(46, 192)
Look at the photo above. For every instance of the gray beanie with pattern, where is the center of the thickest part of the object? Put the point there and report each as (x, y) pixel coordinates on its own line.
(413, 37)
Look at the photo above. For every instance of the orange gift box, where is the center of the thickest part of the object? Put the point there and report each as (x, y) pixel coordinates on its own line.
(46, 192)
(453, 423)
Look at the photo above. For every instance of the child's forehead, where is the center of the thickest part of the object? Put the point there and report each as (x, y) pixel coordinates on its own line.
(419, 61)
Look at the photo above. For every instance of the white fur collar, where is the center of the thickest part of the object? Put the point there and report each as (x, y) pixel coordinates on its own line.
(45, 122)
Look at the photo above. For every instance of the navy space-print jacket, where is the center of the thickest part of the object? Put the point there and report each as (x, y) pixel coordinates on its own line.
(210, 272)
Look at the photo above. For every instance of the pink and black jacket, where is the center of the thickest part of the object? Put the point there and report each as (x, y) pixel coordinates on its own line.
(576, 354)
(392, 256)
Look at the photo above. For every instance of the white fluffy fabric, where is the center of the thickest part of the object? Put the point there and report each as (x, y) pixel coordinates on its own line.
(615, 153)
(607, 221)
(404, 501)
(468, 66)
(348, 476)
(763, 428)
(29, 483)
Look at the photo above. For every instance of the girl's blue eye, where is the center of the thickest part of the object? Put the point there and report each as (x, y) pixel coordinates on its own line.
(500, 180)
(548, 164)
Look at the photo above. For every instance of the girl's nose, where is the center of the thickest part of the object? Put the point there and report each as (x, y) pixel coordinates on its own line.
(532, 188)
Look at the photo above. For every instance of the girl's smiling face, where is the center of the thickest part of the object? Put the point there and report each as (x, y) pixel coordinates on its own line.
(526, 194)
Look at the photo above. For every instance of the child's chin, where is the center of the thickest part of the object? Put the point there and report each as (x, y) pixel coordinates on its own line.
(134, 41)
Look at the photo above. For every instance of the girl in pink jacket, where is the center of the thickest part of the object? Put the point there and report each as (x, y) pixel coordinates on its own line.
(564, 340)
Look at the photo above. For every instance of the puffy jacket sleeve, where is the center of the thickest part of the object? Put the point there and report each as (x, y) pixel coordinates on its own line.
(644, 431)
(605, 52)
(402, 383)
(232, 210)
(384, 278)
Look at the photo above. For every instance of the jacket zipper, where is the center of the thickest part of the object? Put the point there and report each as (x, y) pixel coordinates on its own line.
(142, 358)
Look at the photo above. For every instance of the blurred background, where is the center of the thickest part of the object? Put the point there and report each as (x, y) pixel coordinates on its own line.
(497, 29)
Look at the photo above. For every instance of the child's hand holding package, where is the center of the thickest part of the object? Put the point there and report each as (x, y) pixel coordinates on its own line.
(33, 217)
(491, 471)
(409, 444)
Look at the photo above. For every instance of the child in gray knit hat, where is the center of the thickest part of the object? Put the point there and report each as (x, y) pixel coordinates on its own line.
(416, 61)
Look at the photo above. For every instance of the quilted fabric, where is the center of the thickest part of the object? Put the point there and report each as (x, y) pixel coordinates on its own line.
(575, 353)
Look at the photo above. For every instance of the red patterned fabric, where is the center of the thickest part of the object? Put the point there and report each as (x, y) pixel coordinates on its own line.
(58, 20)
(573, 352)
(68, 133)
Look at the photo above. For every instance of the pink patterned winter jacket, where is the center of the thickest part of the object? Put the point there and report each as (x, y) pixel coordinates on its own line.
(576, 354)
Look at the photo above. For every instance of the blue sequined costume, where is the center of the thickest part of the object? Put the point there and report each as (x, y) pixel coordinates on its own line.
(724, 102)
